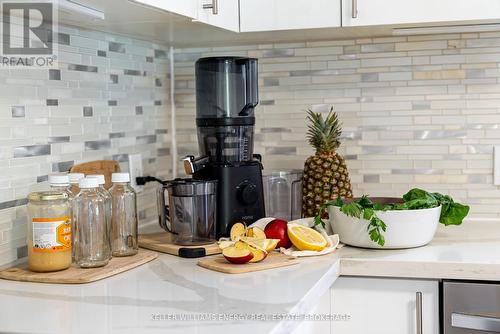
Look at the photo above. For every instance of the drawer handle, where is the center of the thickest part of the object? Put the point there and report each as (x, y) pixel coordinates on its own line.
(418, 312)
(214, 6)
(354, 9)
(476, 322)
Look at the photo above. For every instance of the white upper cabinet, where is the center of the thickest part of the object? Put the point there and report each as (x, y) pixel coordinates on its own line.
(268, 15)
(220, 13)
(380, 12)
(185, 23)
(187, 8)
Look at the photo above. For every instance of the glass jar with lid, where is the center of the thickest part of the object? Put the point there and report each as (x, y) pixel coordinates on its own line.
(49, 231)
(105, 193)
(124, 216)
(91, 238)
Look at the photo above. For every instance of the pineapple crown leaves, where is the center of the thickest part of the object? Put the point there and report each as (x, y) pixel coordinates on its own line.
(324, 133)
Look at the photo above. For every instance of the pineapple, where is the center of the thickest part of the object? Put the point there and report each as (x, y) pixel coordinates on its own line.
(325, 173)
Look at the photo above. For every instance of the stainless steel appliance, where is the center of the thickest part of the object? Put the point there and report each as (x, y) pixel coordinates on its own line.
(471, 307)
(187, 208)
(283, 194)
(226, 95)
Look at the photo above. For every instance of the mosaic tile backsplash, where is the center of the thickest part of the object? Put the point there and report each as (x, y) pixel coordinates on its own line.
(419, 111)
(108, 98)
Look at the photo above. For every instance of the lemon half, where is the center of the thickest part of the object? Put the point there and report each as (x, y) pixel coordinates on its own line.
(306, 238)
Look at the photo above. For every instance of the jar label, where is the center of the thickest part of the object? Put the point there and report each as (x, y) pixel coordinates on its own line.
(51, 235)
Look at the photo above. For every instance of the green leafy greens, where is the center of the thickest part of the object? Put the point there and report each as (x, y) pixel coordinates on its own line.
(452, 213)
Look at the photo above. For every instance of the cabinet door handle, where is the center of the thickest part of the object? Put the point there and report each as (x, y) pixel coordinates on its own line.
(214, 6)
(418, 312)
(354, 9)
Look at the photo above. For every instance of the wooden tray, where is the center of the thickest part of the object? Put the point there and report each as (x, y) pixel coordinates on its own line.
(273, 260)
(75, 275)
(162, 242)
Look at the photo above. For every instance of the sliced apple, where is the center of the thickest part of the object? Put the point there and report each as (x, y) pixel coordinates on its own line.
(258, 254)
(267, 245)
(249, 240)
(238, 230)
(277, 229)
(225, 243)
(238, 255)
(249, 232)
(240, 244)
(271, 244)
(255, 232)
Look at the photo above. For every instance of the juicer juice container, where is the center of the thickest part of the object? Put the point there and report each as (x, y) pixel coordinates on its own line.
(283, 194)
(187, 208)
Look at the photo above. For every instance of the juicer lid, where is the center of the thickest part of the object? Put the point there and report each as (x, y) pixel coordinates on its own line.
(226, 91)
(223, 59)
(189, 187)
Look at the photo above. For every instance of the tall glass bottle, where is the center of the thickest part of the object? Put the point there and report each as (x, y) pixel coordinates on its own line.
(74, 190)
(92, 243)
(124, 216)
(102, 181)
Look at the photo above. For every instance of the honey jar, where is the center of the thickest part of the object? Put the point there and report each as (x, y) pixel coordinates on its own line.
(49, 231)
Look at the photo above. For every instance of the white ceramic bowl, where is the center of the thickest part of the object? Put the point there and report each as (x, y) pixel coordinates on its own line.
(405, 228)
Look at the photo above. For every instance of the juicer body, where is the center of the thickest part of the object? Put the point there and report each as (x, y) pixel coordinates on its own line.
(239, 194)
(226, 95)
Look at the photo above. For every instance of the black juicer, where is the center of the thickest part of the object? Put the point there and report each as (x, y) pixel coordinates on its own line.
(226, 95)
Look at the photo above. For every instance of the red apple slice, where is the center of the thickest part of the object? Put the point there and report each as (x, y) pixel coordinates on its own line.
(258, 254)
(277, 229)
(240, 244)
(225, 243)
(237, 230)
(255, 232)
(237, 255)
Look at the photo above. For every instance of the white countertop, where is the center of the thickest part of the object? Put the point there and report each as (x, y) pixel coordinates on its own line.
(469, 251)
(128, 303)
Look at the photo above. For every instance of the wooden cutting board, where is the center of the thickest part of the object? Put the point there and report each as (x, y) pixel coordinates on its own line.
(273, 260)
(105, 167)
(162, 242)
(76, 275)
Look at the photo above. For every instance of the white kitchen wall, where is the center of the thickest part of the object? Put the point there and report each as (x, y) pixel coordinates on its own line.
(109, 98)
(417, 111)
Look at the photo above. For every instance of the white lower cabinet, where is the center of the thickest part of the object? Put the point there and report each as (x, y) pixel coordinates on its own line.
(384, 306)
(316, 324)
